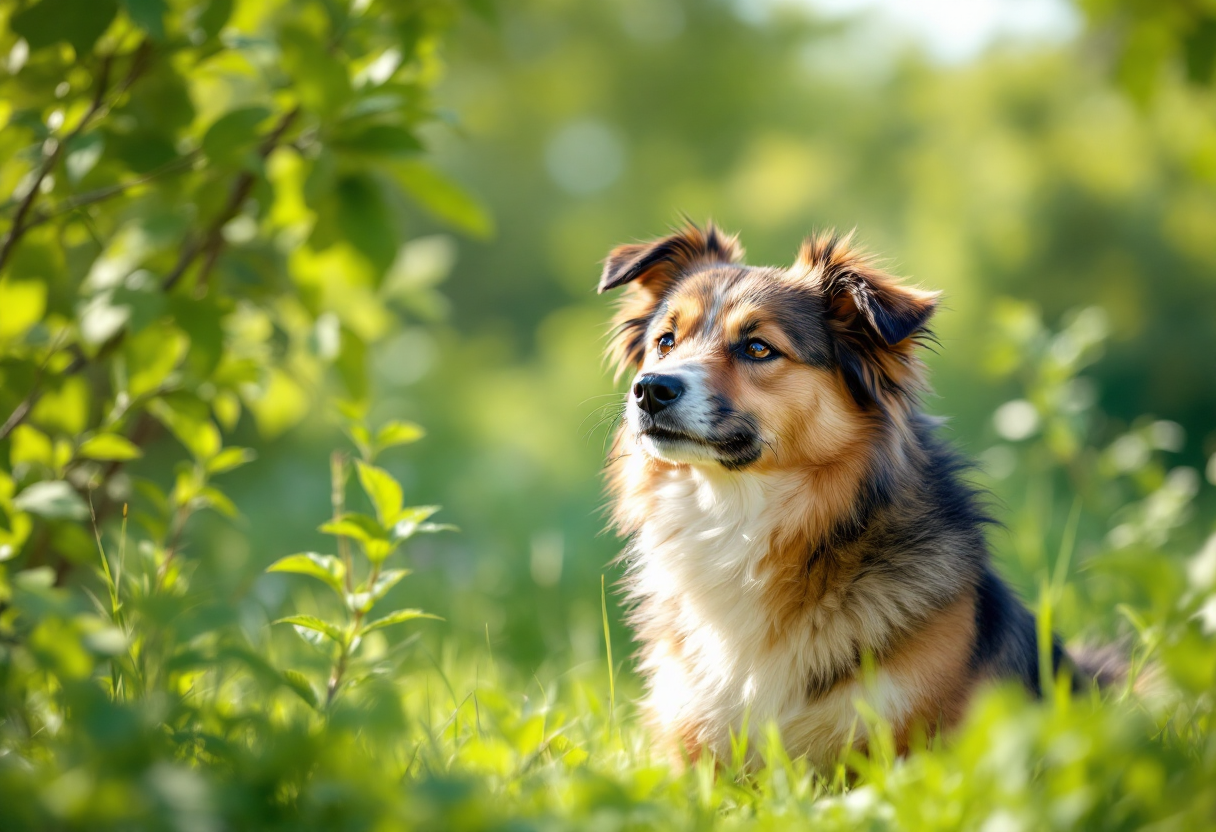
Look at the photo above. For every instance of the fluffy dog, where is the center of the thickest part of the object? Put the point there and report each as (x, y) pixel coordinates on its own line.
(789, 509)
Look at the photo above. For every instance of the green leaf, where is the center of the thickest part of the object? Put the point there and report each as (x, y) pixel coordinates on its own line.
(282, 405)
(377, 550)
(65, 409)
(109, 447)
(152, 355)
(233, 134)
(144, 305)
(218, 500)
(230, 458)
(377, 140)
(23, 302)
(351, 411)
(359, 434)
(408, 521)
(303, 688)
(365, 598)
(320, 78)
(397, 433)
(358, 526)
(325, 568)
(202, 322)
(187, 485)
(351, 364)
(54, 500)
(187, 419)
(383, 491)
(1199, 49)
(148, 15)
(445, 199)
(365, 222)
(30, 445)
(78, 23)
(213, 16)
(305, 624)
(398, 617)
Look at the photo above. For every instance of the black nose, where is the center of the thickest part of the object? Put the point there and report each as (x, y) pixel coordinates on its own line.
(657, 392)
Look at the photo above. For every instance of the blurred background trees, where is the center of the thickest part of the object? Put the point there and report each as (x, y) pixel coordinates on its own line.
(1027, 181)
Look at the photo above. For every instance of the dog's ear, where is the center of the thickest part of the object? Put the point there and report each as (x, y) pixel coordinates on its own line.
(649, 271)
(877, 323)
(667, 258)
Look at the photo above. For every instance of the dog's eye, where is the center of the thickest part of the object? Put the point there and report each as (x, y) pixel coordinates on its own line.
(666, 342)
(757, 350)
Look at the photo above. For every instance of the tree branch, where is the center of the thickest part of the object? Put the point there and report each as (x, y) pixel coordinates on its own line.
(102, 194)
(52, 148)
(27, 404)
(212, 241)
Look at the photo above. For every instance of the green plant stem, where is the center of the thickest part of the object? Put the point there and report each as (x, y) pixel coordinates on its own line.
(178, 525)
(337, 469)
(608, 645)
(335, 678)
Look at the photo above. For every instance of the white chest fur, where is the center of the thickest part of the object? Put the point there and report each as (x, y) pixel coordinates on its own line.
(706, 620)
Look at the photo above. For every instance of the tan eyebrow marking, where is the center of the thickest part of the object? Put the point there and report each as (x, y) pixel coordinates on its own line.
(689, 313)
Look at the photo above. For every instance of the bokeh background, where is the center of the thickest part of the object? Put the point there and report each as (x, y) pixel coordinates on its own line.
(998, 151)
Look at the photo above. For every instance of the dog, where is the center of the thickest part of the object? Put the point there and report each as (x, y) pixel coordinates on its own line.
(792, 515)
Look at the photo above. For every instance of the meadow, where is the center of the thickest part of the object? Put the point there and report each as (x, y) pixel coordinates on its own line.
(303, 410)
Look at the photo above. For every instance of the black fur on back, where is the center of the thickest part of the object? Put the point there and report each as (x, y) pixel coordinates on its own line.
(933, 508)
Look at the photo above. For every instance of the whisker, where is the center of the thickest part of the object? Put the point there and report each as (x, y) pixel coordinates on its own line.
(600, 410)
(611, 421)
(613, 459)
(599, 396)
(611, 430)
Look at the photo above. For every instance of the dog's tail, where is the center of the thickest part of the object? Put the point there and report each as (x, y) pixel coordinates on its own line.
(1109, 667)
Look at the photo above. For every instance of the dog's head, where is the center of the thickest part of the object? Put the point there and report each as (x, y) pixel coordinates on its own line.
(739, 366)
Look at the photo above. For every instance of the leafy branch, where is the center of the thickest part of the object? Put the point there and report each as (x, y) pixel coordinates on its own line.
(377, 537)
(53, 148)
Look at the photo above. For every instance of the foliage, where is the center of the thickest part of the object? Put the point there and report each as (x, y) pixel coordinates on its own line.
(205, 221)
(458, 740)
(377, 538)
(224, 230)
(1148, 39)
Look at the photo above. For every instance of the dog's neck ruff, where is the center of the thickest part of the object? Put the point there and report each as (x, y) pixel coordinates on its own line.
(707, 604)
(746, 612)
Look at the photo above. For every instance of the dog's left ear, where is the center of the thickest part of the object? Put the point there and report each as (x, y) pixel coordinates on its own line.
(876, 321)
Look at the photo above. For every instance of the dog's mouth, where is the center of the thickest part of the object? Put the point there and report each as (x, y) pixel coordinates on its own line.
(659, 434)
(735, 450)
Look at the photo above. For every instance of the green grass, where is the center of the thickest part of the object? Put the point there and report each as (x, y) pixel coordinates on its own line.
(443, 736)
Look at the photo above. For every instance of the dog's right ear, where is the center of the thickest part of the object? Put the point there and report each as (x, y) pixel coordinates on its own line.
(649, 270)
(664, 260)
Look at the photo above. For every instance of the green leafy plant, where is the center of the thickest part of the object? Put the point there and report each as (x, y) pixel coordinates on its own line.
(359, 586)
(205, 220)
